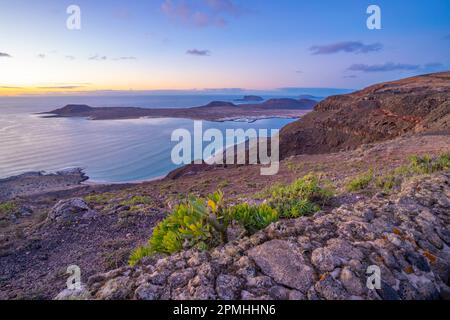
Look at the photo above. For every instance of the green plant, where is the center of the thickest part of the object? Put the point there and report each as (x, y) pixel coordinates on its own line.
(139, 253)
(198, 223)
(253, 218)
(388, 182)
(97, 198)
(7, 208)
(301, 197)
(421, 165)
(442, 162)
(137, 200)
(297, 208)
(360, 182)
(223, 184)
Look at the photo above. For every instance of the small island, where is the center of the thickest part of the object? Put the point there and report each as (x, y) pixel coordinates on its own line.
(217, 111)
(250, 99)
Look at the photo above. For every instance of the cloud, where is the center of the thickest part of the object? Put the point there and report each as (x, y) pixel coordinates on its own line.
(196, 52)
(347, 46)
(61, 87)
(389, 66)
(126, 58)
(70, 57)
(4, 55)
(434, 65)
(224, 6)
(352, 76)
(41, 56)
(202, 13)
(97, 57)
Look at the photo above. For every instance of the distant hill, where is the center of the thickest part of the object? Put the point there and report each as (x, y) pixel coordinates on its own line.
(213, 111)
(250, 99)
(380, 112)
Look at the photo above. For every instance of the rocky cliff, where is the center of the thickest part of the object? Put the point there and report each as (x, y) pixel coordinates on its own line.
(380, 112)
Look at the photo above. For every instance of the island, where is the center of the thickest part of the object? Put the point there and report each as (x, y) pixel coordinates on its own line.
(217, 111)
(250, 99)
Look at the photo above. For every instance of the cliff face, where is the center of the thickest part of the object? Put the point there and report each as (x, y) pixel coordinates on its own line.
(380, 112)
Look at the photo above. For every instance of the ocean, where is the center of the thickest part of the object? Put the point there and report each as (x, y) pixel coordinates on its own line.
(111, 151)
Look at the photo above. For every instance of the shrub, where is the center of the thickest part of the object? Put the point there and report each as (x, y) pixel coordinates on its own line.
(97, 198)
(253, 218)
(442, 162)
(300, 198)
(137, 200)
(203, 223)
(417, 165)
(7, 208)
(387, 182)
(138, 254)
(298, 208)
(361, 182)
(421, 165)
(308, 188)
(198, 223)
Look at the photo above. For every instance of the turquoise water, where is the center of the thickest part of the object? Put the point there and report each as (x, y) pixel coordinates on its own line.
(108, 151)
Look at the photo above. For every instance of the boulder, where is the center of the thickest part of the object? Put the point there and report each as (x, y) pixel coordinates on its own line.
(283, 261)
(71, 209)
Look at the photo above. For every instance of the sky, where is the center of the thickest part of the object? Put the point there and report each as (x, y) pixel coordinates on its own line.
(138, 45)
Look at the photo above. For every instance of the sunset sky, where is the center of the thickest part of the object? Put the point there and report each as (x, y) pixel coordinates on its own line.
(217, 44)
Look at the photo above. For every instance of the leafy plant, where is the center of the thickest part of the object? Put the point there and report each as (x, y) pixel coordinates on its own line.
(97, 198)
(298, 208)
(360, 182)
(301, 197)
(137, 200)
(421, 165)
(253, 218)
(7, 208)
(198, 223)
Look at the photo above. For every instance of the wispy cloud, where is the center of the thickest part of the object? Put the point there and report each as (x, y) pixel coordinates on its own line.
(204, 13)
(98, 58)
(5, 55)
(389, 66)
(126, 58)
(62, 87)
(347, 46)
(41, 56)
(196, 52)
(70, 57)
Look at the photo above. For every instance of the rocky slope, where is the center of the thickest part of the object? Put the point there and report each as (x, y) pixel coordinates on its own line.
(321, 257)
(380, 112)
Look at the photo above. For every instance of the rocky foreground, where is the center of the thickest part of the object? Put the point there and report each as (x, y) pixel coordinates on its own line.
(321, 257)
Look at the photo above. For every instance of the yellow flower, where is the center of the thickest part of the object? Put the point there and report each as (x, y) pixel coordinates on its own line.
(212, 205)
